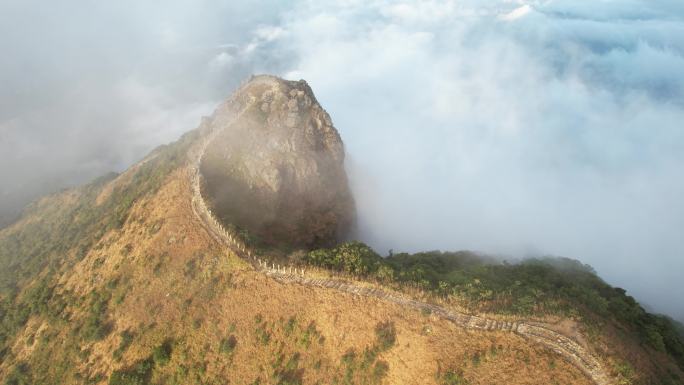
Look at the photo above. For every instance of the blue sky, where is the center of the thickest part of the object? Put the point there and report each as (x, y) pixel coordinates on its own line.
(509, 127)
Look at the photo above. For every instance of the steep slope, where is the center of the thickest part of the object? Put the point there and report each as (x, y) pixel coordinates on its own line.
(133, 280)
(275, 166)
(162, 279)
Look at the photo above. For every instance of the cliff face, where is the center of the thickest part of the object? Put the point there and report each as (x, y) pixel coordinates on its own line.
(275, 166)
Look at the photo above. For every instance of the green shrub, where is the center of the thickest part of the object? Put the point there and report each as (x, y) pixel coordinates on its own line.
(19, 375)
(126, 339)
(369, 357)
(349, 357)
(161, 354)
(262, 335)
(352, 257)
(228, 345)
(287, 373)
(386, 335)
(138, 374)
(95, 326)
(308, 334)
(453, 378)
(654, 338)
(385, 273)
(196, 323)
(379, 371)
(476, 359)
(290, 326)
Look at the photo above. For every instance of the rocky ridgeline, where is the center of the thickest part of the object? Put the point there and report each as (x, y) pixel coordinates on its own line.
(564, 346)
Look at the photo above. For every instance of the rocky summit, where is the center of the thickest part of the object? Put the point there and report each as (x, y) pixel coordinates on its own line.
(275, 166)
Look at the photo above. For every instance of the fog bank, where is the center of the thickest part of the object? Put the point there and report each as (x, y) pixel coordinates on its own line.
(509, 127)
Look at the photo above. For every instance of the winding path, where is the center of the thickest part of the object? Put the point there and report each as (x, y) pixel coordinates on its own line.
(564, 346)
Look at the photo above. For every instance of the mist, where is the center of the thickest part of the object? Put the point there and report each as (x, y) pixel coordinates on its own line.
(516, 128)
(90, 87)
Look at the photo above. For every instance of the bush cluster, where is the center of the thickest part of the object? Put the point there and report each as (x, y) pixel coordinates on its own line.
(538, 285)
(60, 233)
(353, 258)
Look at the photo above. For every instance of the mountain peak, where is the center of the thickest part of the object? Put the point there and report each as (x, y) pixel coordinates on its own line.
(274, 165)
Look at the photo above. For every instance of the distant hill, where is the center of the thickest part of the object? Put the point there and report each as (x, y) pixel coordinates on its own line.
(156, 276)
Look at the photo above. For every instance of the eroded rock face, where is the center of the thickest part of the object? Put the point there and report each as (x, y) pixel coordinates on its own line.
(276, 166)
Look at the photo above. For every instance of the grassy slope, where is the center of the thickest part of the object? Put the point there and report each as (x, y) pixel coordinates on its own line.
(541, 288)
(58, 232)
(117, 283)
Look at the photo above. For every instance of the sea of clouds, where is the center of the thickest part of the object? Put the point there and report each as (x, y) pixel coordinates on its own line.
(510, 127)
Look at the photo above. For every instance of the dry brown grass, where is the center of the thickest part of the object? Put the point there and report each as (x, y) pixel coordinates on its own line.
(175, 282)
(223, 297)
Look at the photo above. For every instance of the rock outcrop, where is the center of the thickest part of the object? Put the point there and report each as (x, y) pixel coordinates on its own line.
(275, 166)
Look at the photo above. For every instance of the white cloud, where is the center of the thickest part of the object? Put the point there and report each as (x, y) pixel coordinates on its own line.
(558, 133)
(497, 125)
(221, 61)
(517, 13)
(269, 33)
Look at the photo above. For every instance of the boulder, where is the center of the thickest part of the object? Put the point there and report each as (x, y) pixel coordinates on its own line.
(276, 166)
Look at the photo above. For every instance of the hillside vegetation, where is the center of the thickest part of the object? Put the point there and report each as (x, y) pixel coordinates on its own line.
(149, 298)
(120, 282)
(552, 286)
(58, 231)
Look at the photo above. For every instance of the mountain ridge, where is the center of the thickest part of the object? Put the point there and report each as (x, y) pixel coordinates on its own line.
(120, 281)
(566, 347)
